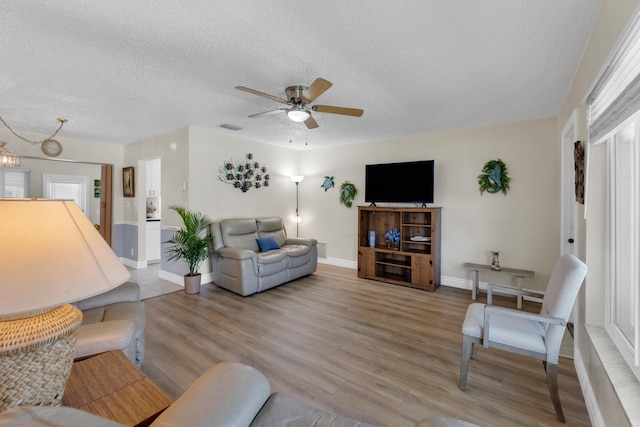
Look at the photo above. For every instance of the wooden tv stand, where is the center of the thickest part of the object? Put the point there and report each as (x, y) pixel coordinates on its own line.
(416, 262)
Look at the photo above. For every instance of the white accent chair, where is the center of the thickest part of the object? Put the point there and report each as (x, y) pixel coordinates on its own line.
(534, 335)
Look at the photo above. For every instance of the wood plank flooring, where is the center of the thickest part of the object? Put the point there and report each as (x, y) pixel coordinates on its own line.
(380, 353)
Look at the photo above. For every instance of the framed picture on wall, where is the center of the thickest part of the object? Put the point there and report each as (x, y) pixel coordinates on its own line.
(128, 183)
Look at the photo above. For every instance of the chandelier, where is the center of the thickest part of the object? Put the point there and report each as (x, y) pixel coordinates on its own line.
(10, 159)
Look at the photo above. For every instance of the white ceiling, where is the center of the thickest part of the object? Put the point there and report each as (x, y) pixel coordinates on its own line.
(123, 70)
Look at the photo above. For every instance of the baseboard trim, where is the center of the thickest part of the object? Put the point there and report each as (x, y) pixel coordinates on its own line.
(339, 262)
(587, 390)
(132, 263)
(179, 280)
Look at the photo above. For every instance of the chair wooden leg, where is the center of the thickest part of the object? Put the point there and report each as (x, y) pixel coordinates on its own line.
(467, 353)
(552, 382)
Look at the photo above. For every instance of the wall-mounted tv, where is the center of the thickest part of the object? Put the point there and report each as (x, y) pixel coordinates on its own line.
(407, 182)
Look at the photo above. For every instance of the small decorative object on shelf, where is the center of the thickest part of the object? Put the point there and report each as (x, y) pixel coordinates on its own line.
(348, 192)
(495, 260)
(372, 238)
(327, 183)
(244, 174)
(393, 239)
(494, 177)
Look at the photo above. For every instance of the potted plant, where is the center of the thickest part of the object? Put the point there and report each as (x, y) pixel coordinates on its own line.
(191, 244)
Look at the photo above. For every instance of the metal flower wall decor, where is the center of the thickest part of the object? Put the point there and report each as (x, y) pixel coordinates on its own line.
(244, 174)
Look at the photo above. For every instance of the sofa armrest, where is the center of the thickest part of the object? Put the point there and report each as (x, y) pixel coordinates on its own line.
(300, 241)
(236, 253)
(226, 395)
(104, 336)
(128, 291)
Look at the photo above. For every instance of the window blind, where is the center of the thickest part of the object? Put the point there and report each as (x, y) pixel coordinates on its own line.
(616, 95)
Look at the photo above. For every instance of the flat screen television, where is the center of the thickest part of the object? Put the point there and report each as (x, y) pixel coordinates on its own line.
(407, 182)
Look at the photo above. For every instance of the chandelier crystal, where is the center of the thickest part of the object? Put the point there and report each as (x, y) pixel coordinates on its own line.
(8, 159)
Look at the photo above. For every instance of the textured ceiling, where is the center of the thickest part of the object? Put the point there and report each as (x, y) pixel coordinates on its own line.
(122, 71)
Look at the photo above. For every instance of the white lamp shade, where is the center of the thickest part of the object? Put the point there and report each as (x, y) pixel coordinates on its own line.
(298, 115)
(50, 255)
(297, 178)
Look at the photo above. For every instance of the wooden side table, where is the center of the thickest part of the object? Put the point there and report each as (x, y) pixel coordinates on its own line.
(518, 274)
(110, 386)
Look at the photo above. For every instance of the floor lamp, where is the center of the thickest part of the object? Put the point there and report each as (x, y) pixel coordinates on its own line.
(51, 255)
(297, 179)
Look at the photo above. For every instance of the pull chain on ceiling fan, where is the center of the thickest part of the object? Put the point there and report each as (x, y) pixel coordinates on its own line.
(298, 100)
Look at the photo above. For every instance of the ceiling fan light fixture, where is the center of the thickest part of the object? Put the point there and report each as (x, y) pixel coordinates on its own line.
(298, 114)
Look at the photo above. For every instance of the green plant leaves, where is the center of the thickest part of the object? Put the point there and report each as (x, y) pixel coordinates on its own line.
(190, 243)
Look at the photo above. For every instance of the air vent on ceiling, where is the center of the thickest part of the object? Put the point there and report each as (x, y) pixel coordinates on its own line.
(230, 127)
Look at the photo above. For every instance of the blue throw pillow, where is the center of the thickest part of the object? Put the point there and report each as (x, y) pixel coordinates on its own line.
(267, 244)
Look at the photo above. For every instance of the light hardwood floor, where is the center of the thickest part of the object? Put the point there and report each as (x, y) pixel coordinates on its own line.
(380, 353)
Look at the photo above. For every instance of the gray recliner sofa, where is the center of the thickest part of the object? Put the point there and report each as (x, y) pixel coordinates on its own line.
(228, 394)
(114, 320)
(243, 268)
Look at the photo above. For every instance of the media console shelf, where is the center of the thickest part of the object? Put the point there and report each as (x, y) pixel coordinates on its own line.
(416, 261)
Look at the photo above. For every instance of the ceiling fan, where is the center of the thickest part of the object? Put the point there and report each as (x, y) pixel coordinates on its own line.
(298, 100)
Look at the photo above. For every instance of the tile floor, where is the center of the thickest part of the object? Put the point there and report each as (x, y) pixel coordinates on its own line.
(150, 284)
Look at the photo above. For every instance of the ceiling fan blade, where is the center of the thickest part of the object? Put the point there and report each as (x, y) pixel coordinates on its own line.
(311, 123)
(356, 112)
(264, 95)
(268, 113)
(317, 88)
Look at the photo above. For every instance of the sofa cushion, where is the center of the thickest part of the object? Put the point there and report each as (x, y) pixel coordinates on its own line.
(267, 244)
(298, 255)
(272, 227)
(94, 315)
(240, 233)
(47, 416)
(271, 262)
(281, 410)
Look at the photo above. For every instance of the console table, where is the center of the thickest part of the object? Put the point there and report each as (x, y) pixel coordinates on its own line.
(110, 386)
(518, 274)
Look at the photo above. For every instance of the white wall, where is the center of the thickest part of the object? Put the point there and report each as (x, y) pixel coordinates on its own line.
(174, 170)
(72, 149)
(523, 225)
(602, 400)
(208, 150)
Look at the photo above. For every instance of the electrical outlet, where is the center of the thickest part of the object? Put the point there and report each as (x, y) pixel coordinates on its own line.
(131, 251)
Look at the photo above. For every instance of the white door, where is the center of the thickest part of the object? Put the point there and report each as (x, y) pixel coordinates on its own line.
(66, 187)
(568, 233)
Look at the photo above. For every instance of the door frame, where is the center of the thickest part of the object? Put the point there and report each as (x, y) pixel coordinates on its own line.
(106, 194)
(567, 187)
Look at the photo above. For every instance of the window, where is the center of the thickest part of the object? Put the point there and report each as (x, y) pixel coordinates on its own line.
(66, 187)
(14, 182)
(623, 241)
(614, 120)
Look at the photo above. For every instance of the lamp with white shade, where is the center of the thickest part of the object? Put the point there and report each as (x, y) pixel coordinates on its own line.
(297, 179)
(51, 255)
